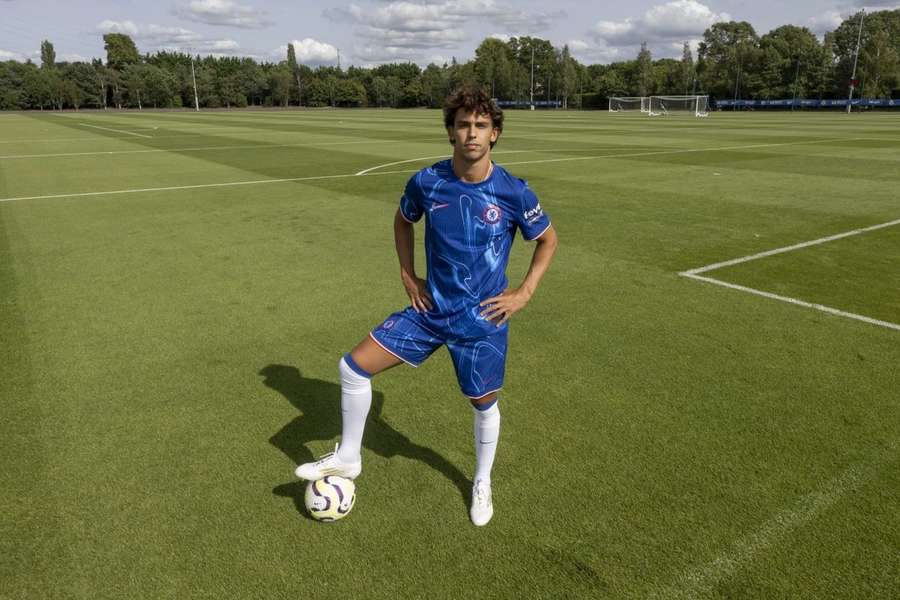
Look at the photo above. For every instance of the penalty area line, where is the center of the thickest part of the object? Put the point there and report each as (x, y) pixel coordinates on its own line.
(823, 240)
(696, 275)
(795, 301)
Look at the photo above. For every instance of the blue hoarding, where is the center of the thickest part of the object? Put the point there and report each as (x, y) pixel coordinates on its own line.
(808, 103)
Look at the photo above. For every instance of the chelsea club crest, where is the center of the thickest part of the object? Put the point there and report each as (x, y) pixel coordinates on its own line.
(492, 214)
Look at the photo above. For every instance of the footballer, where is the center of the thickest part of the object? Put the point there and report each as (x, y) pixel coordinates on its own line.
(472, 209)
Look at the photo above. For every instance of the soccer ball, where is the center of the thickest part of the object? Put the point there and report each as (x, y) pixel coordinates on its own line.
(330, 498)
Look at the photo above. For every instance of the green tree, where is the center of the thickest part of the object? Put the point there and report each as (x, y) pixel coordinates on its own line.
(492, 64)
(880, 60)
(48, 55)
(522, 49)
(644, 71)
(80, 85)
(296, 71)
(687, 69)
(134, 84)
(790, 63)
(281, 82)
(434, 85)
(568, 75)
(120, 51)
(15, 81)
(728, 54)
(349, 93)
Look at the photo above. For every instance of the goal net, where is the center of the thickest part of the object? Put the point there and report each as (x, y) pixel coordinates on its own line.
(629, 103)
(667, 105)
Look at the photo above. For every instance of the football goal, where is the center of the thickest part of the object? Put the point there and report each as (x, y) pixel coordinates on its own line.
(667, 105)
(629, 103)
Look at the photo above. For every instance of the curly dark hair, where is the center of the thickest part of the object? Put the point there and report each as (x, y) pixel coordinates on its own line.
(470, 98)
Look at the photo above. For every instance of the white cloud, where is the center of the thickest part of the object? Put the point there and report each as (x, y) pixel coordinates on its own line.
(825, 22)
(501, 36)
(310, 52)
(7, 55)
(126, 27)
(72, 58)
(588, 53)
(674, 21)
(223, 12)
(402, 29)
(160, 37)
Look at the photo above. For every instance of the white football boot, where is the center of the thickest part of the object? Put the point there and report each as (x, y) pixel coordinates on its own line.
(329, 464)
(482, 508)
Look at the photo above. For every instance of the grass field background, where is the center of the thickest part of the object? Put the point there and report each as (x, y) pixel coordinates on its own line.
(171, 321)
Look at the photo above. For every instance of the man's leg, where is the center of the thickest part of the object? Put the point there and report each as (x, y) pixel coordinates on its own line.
(365, 361)
(487, 434)
(480, 365)
(357, 368)
(403, 334)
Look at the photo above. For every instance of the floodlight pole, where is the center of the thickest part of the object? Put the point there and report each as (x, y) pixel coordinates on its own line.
(796, 77)
(194, 79)
(862, 13)
(532, 74)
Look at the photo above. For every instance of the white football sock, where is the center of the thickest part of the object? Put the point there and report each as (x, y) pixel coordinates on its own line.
(356, 399)
(487, 433)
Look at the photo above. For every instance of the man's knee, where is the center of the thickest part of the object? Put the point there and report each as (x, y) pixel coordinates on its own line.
(484, 402)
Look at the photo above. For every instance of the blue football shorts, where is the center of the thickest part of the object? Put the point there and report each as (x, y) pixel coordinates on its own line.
(478, 350)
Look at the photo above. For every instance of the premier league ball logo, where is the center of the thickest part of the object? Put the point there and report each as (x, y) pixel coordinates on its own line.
(492, 214)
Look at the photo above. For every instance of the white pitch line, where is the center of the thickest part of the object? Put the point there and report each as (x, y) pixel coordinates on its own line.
(830, 238)
(117, 130)
(795, 301)
(191, 187)
(657, 152)
(194, 149)
(409, 160)
(263, 181)
(630, 155)
(695, 274)
(702, 581)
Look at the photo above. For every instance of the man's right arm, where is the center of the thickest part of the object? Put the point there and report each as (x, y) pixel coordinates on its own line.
(416, 288)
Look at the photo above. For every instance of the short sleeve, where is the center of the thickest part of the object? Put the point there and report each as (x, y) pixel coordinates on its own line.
(530, 217)
(411, 201)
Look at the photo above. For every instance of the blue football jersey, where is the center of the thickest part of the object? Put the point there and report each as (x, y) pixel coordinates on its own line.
(469, 231)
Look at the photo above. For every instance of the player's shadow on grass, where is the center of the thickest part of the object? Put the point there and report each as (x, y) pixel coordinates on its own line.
(320, 403)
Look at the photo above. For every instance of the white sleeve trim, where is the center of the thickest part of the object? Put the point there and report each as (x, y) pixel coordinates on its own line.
(535, 237)
(406, 219)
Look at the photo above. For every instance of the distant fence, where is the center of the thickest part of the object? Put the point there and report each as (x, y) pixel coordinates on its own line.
(806, 103)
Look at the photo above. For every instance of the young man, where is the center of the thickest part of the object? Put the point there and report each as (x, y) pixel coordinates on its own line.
(472, 209)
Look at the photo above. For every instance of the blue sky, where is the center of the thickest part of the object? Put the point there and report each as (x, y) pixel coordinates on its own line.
(368, 32)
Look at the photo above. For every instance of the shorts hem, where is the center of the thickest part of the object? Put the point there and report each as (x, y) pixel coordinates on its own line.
(483, 395)
(385, 348)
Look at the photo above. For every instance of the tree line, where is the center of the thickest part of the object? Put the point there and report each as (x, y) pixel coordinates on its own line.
(732, 61)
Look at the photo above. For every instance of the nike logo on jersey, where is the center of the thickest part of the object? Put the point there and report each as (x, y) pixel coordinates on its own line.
(435, 207)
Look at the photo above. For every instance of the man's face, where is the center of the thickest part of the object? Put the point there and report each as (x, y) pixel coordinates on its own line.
(472, 135)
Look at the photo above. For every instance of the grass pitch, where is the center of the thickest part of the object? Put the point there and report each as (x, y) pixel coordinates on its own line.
(177, 288)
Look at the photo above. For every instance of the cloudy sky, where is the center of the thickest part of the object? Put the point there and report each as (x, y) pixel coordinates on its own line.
(367, 32)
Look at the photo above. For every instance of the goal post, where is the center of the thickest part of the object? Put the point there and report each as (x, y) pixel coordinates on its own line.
(684, 105)
(629, 104)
